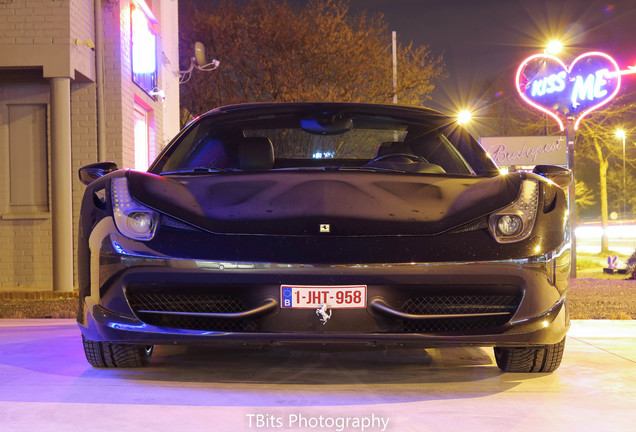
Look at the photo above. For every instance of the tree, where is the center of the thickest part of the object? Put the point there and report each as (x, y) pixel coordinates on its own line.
(615, 192)
(597, 140)
(276, 52)
(584, 195)
(505, 114)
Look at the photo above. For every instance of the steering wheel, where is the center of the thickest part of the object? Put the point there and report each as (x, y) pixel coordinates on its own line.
(414, 158)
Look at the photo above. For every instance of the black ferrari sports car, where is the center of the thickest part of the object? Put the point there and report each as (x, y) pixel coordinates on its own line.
(326, 222)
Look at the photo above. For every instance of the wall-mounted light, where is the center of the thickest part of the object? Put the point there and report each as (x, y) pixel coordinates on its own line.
(158, 92)
(88, 42)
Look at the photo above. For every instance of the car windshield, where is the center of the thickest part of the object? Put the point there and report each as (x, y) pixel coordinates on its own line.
(340, 140)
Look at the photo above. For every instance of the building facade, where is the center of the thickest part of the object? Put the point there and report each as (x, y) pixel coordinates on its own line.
(81, 81)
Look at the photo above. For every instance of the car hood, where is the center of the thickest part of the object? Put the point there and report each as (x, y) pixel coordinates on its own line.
(324, 203)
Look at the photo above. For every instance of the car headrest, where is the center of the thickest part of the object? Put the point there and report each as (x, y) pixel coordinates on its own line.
(394, 147)
(255, 153)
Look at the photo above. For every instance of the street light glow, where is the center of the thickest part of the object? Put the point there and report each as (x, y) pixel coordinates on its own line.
(464, 117)
(554, 47)
(620, 134)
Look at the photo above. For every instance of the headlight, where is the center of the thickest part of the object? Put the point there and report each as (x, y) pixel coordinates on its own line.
(133, 219)
(515, 222)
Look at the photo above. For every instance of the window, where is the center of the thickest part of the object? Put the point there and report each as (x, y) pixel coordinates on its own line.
(143, 46)
(350, 140)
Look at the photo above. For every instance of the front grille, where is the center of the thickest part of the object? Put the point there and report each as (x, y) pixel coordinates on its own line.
(155, 301)
(458, 304)
(176, 301)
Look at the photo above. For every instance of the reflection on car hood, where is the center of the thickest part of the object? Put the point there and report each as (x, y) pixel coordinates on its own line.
(299, 203)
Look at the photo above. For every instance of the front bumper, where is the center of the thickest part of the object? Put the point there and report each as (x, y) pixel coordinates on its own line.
(547, 328)
(540, 316)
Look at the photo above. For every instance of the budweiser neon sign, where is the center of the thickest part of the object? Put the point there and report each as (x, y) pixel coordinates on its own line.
(589, 82)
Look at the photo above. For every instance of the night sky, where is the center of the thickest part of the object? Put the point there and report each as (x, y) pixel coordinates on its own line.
(485, 39)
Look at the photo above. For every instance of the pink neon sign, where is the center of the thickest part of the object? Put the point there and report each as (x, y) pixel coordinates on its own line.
(589, 82)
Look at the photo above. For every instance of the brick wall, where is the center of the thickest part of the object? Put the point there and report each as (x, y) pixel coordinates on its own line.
(118, 78)
(84, 145)
(127, 88)
(82, 33)
(27, 26)
(35, 22)
(169, 68)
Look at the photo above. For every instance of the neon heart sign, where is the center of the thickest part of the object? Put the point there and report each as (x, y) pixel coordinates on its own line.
(589, 82)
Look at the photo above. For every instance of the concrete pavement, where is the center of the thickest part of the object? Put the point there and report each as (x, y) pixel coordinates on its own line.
(46, 385)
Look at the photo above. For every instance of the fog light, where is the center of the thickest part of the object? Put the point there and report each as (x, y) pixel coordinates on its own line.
(509, 225)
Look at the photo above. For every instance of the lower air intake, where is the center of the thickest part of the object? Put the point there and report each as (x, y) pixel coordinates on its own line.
(148, 305)
(504, 305)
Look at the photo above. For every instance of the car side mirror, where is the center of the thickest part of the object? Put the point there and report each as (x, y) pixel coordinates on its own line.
(90, 173)
(563, 177)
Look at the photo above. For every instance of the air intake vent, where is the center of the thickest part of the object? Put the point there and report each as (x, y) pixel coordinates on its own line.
(502, 307)
(179, 308)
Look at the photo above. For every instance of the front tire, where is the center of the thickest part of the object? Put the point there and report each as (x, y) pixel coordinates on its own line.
(530, 359)
(107, 354)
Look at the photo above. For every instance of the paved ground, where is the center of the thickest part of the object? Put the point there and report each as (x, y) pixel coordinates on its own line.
(46, 385)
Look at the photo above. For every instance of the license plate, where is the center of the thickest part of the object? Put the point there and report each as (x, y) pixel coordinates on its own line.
(335, 297)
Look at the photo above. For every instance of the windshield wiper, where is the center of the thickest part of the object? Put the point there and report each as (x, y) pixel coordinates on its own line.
(198, 170)
(371, 168)
(209, 169)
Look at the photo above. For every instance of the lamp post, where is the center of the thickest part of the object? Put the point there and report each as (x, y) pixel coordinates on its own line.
(621, 135)
(553, 47)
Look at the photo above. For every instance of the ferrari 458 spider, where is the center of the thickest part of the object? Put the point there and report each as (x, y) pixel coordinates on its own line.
(324, 222)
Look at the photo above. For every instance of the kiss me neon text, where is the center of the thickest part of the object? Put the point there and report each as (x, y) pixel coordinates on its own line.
(569, 92)
(590, 88)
